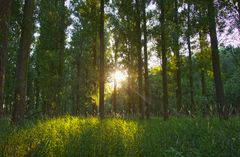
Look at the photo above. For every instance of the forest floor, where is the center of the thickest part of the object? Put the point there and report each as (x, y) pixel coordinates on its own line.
(73, 136)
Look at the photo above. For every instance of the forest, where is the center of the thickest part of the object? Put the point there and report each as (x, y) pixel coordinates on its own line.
(120, 78)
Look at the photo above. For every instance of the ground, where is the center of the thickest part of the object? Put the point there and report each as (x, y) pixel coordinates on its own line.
(74, 136)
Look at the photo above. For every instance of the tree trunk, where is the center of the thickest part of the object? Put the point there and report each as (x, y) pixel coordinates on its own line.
(22, 62)
(62, 27)
(146, 75)
(192, 105)
(140, 61)
(203, 45)
(178, 59)
(129, 89)
(133, 92)
(115, 81)
(164, 62)
(95, 86)
(215, 61)
(77, 111)
(115, 96)
(102, 54)
(5, 10)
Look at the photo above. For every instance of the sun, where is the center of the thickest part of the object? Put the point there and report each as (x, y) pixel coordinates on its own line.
(118, 76)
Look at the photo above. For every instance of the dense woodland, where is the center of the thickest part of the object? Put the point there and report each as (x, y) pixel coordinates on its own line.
(120, 78)
(57, 58)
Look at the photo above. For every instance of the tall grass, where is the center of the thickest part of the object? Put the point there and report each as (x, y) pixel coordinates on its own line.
(90, 137)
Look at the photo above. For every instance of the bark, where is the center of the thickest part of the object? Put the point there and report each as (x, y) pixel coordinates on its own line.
(62, 26)
(115, 81)
(146, 75)
(203, 45)
(133, 93)
(5, 10)
(215, 61)
(140, 61)
(164, 62)
(115, 96)
(102, 54)
(192, 105)
(22, 62)
(78, 81)
(129, 78)
(77, 111)
(178, 59)
(37, 93)
(94, 106)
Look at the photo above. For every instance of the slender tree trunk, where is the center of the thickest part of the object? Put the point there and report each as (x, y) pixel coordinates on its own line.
(78, 82)
(115, 81)
(5, 10)
(37, 87)
(30, 91)
(102, 54)
(164, 62)
(190, 63)
(37, 94)
(133, 93)
(215, 61)
(146, 76)
(115, 96)
(178, 59)
(22, 62)
(77, 111)
(62, 27)
(94, 105)
(203, 45)
(140, 61)
(129, 78)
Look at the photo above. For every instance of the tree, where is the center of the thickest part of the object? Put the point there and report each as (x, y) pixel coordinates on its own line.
(190, 59)
(102, 54)
(215, 61)
(203, 47)
(22, 62)
(115, 79)
(146, 76)
(124, 22)
(178, 59)
(5, 10)
(50, 55)
(164, 61)
(61, 49)
(140, 61)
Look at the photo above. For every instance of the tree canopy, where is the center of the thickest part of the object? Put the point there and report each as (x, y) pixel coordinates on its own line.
(126, 58)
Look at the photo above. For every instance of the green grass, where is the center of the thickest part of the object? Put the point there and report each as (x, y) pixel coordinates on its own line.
(80, 137)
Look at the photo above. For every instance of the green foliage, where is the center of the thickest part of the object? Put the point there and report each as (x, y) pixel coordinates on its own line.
(72, 136)
(5, 131)
(231, 72)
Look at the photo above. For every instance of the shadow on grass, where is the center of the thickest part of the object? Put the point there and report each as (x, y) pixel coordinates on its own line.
(91, 137)
(186, 137)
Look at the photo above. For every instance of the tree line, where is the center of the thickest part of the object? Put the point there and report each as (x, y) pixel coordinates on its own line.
(56, 57)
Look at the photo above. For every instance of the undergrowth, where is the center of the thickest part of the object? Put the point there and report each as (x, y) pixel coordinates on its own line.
(90, 137)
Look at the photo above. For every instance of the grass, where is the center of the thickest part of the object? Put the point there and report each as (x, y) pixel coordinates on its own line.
(73, 136)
